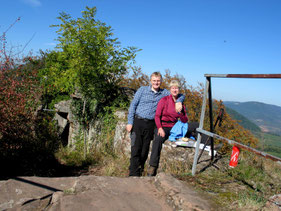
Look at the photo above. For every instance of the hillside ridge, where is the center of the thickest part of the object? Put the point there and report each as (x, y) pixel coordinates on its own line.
(266, 116)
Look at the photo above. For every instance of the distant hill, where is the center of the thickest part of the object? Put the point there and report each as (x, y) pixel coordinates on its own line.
(266, 116)
(242, 120)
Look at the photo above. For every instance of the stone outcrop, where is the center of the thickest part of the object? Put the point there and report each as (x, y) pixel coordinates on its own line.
(31, 191)
(273, 204)
(170, 152)
(69, 128)
(162, 192)
(100, 193)
(122, 143)
(64, 119)
(122, 140)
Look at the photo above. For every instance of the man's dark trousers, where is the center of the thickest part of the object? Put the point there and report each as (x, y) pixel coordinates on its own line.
(141, 136)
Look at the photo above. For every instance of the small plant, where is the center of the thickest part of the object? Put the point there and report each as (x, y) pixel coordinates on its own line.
(69, 191)
(251, 201)
(74, 156)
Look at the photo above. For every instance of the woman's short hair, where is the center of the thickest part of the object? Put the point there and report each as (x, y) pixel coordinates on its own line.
(174, 83)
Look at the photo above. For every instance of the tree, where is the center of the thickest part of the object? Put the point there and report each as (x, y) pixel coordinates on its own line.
(135, 79)
(87, 59)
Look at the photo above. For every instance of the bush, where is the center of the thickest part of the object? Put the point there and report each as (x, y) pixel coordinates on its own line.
(25, 133)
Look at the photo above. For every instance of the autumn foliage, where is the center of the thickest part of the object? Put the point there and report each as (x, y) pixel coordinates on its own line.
(28, 139)
(19, 94)
(194, 97)
(97, 74)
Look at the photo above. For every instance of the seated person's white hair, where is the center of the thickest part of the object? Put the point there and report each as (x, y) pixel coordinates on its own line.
(174, 83)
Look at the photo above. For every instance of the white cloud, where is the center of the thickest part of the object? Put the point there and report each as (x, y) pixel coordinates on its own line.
(33, 3)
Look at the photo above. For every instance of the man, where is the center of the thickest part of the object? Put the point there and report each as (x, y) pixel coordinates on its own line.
(141, 122)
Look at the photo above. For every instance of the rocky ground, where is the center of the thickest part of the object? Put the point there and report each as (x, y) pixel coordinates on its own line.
(90, 192)
(162, 192)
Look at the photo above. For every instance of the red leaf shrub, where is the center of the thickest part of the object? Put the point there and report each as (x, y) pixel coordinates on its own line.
(19, 94)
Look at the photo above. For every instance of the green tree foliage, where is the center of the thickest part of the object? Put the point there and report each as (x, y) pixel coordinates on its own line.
(87, 59)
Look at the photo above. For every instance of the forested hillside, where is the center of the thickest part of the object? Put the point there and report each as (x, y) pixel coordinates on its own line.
(242, 120)
(268, 142)
(266, 116)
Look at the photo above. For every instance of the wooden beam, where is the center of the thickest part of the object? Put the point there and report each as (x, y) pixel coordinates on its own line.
(244, 75)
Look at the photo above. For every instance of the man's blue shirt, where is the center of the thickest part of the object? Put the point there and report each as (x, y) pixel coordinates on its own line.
(145, 103)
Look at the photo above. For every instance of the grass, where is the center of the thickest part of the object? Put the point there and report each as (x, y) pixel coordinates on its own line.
(100, 160)
(250, 201)
(245, 187)
(269, 143)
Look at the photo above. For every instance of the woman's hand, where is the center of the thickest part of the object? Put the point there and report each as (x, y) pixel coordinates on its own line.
(178, 107)
(161, 132)
(129, 127)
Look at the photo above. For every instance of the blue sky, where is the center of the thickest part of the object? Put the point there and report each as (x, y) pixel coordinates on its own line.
(188, 37)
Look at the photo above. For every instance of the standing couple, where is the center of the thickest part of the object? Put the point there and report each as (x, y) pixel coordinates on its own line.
(152, 106)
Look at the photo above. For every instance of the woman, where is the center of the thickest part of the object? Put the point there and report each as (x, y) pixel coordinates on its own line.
(165, 118)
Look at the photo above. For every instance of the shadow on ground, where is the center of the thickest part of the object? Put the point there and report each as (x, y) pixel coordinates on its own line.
(29, 161)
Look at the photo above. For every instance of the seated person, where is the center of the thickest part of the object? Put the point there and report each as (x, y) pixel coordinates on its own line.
(165, 118)
(192, 133)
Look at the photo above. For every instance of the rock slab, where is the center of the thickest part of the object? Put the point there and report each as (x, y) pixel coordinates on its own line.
(162, 192)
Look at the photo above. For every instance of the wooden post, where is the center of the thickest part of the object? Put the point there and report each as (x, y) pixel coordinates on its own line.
(211, 117)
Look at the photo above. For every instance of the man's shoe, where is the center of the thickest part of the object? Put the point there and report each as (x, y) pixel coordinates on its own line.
(151, 172)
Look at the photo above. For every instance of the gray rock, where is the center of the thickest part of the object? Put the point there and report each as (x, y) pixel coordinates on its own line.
(68, 125)
(100, 193)
(274, 203)
(63, 106)
(122, 141)
(169, 153)
(24, 190)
